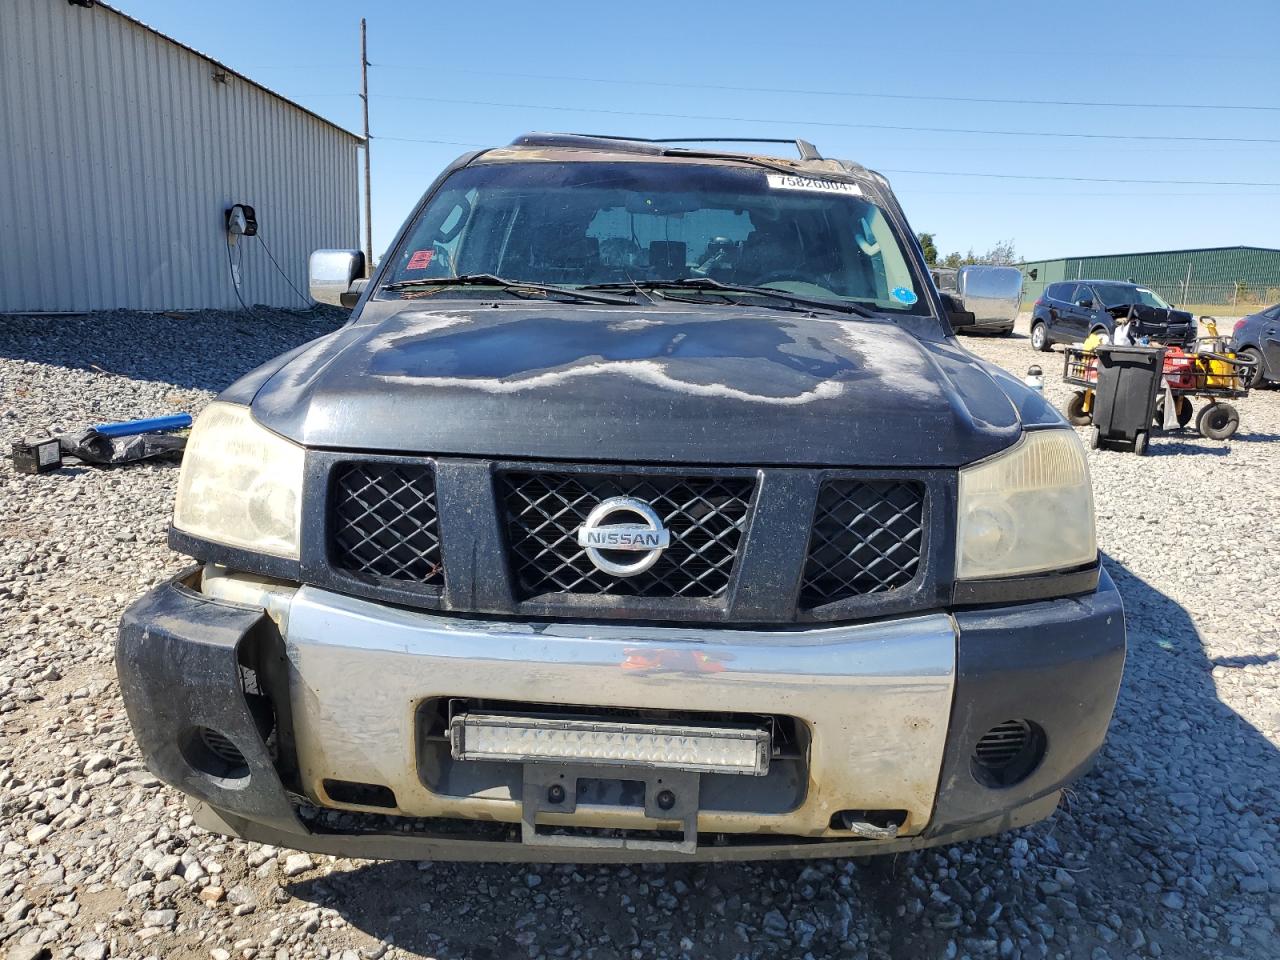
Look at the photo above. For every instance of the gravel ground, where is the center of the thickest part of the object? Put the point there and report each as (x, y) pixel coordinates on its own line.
(1169, 848)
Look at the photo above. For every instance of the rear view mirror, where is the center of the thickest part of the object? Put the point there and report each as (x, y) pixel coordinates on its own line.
(333, 275)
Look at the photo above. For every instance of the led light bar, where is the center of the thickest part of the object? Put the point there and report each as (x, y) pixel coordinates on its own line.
(476, 736)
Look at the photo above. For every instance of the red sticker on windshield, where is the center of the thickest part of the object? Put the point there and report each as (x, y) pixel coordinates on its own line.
(420, 260)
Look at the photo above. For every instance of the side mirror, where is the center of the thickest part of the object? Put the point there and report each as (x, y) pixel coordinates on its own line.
(333, 274)
(957, 315)
(1086, 303)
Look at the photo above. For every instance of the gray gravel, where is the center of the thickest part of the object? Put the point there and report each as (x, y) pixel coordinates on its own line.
(1169, 848)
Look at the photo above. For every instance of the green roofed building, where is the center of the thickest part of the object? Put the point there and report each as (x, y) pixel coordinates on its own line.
(1223, 280)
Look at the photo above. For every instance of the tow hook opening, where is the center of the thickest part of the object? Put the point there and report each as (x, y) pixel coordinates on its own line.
(870, 824)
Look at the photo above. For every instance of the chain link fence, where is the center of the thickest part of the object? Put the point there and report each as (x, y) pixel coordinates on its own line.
(1236, 299)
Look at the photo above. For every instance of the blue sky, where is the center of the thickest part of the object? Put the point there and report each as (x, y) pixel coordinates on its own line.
(660, 57)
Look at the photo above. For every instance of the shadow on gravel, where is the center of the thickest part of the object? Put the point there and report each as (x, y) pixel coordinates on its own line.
(1176, 447)
(1165, 843)
(204, 350)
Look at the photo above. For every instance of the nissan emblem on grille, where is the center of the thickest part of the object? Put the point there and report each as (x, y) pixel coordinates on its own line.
(649, 538)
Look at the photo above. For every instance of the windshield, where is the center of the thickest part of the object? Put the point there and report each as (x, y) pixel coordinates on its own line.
(1119, 294)
(588, 223)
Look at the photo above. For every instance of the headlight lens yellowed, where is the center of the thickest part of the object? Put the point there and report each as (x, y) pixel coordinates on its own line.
(1027, 510)
(241, 484)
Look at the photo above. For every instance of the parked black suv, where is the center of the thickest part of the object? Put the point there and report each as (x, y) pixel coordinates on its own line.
(646, 508)
(1257, 338)
(1070, 311)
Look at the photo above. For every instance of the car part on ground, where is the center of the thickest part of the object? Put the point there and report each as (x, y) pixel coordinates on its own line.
(107, 444)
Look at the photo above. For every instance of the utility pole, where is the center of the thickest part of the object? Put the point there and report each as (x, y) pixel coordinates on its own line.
(368, 190)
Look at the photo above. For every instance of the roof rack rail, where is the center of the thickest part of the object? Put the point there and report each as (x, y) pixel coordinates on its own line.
(804, 148)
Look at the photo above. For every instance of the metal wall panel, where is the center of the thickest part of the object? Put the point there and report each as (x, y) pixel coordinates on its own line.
(119, 153)
(1211, 275)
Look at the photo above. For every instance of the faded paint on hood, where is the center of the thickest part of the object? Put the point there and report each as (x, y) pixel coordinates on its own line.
(663, 383)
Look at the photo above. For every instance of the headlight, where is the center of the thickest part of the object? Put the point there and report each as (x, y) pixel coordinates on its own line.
(1027, 510)
(241, 484)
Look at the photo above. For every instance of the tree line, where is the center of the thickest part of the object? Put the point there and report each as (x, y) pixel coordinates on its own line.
(1002, 254)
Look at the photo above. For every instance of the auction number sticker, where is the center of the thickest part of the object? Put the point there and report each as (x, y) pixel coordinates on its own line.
(785, 181)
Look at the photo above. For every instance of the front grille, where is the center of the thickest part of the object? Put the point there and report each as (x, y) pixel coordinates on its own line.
(383, 522)
(867, 538)
(706, 517)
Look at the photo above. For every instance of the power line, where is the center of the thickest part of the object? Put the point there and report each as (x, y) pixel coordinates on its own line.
(451, 143)
(1036, 176)
(831, 123)
(998, 176)
(1026, 101)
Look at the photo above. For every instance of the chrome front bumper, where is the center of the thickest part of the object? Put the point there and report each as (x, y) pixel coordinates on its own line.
(875, 698)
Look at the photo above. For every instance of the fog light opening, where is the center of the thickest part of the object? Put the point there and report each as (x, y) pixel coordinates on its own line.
(360, 794)
(1008, 753)
(212, 754)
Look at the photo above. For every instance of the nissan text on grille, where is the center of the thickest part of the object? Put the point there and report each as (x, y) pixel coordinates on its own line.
(646, 508)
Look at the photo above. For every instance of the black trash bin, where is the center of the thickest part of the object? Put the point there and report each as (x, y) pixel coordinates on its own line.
(1124, 404)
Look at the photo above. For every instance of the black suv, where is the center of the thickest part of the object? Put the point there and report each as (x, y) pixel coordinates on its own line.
(647, 508)
(1070, 311)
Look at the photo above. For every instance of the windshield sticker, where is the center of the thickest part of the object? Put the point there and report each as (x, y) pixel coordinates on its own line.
(420, 260)
(782, 181)
(903, 295)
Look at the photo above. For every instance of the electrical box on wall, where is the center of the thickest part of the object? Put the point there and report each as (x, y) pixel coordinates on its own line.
(241, 221)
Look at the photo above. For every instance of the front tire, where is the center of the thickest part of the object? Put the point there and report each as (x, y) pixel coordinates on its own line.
(1040, 337)
(1252, 356)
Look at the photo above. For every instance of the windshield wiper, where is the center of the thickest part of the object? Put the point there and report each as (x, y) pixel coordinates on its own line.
(707, 283)
(489, 280)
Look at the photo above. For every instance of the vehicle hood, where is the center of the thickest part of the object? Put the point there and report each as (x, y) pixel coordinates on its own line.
(1153, 316)
(714, 385)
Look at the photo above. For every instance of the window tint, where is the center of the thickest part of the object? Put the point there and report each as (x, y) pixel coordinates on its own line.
(1059, 291)
(1083, 292)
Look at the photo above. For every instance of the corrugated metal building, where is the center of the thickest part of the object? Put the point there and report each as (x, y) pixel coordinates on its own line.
(1227, 276)
(120, 151)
